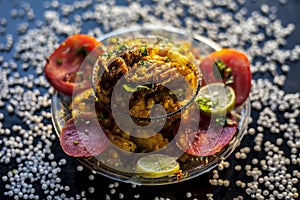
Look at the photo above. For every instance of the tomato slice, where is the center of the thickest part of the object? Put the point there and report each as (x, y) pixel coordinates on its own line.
(65, 64)
(206, 142)
(240, 71)
(82, 136)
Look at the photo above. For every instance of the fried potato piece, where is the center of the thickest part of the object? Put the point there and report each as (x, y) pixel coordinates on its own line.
(83, 102)
(152, 143)
(123, 143)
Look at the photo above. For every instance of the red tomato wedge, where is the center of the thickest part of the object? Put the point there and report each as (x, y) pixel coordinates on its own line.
(65, 64)
(240, 71)
(83, 137)
(206, 142)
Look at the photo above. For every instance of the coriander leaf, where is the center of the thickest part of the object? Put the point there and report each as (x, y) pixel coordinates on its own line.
(219, 67)
(135, 89)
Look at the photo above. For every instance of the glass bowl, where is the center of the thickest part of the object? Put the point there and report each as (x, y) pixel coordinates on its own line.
(119, 164)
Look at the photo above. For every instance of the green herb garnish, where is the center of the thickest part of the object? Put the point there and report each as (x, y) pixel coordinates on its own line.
(221, 120)
(58, 61)
(106, 55)
(204, 104)
(224, 121)
(122, 47)
(135, 89)
(230, 122)
(101, 117)
(220, 68)
(144, 63)
(82, 50)
(144, 51)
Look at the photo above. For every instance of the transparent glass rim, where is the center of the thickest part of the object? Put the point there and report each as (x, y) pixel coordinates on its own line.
(120, 31)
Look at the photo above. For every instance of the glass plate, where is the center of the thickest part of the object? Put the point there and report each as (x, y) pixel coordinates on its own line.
(61, 113)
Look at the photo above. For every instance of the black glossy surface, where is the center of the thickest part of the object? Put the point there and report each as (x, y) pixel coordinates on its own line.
(200, 186)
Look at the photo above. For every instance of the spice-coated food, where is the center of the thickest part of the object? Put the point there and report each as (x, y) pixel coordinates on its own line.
(144, 71)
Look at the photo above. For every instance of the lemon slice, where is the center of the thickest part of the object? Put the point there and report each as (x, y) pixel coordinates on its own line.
(156, 166)
(216, 99)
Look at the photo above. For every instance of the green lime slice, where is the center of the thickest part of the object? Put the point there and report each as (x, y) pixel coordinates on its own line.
(156, 166)
(216, 99)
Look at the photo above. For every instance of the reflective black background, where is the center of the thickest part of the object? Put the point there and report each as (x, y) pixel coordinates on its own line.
(199, 187)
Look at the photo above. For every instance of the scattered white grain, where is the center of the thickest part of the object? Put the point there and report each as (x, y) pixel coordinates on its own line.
(112, 191)
(91, 189)
(188, 195)
(79, 168)
(240, 30)
(121, 195)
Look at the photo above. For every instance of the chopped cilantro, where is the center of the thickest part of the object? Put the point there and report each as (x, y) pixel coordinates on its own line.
(106, 55)
(204, 104)
(143, 50)
(220, 68)
(135, 89)
(101, 117)
(58, 61)
(82, 50)
(223, 121)
(144, 63)
(122, 47)
(229, 121)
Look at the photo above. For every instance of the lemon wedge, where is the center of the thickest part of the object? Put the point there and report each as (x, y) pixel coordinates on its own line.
(216, 99)
(156, 166)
